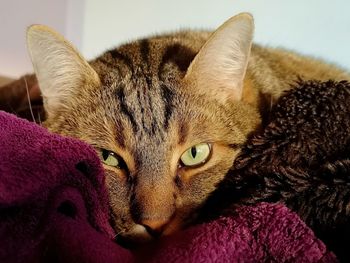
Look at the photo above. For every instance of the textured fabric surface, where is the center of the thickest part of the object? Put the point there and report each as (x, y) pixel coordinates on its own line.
(53, 202)
(301, 159)
(261, 233)
(54, 208)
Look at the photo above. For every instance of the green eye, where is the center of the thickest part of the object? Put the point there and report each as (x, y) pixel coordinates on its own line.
(110, 158)
(197, 154)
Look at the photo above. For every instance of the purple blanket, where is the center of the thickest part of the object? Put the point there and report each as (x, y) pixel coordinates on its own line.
(54, 208)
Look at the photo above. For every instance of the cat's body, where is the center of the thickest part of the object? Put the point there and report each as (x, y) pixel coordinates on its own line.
(147, 104)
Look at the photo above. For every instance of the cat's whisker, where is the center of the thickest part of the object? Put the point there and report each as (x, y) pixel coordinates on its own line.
(39, 119)
(28, 97)
(118, 234)
(271, 103)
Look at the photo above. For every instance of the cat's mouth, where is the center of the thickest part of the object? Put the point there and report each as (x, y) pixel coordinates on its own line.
(134, 238)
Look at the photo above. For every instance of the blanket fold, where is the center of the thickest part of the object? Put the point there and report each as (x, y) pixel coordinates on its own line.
(261, 233)
(48, 183)
(54, 208)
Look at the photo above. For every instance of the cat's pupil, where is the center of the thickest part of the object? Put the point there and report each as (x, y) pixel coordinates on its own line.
(194, 152)
(105, 154)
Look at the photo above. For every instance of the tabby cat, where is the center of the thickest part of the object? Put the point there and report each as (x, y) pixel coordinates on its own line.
(167, 114)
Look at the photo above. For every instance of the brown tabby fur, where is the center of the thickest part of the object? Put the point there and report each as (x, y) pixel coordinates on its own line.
(16, 96)
(137, 103)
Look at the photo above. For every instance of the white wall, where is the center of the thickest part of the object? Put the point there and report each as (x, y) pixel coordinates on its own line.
(66, 16)
(317, 27)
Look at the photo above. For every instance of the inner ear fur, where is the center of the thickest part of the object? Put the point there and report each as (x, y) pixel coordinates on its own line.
(59, 67)
(219, 68)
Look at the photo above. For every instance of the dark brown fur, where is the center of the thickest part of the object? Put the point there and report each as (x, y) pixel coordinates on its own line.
(19, 96)
(301, 159)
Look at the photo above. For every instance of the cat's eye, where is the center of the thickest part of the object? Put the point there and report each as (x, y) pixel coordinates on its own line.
(196, 155)
(111, 158)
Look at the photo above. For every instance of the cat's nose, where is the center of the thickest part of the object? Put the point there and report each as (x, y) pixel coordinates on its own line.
(155, 227)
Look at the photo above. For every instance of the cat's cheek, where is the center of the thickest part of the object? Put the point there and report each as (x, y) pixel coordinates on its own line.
(200, 183)
(118, 192)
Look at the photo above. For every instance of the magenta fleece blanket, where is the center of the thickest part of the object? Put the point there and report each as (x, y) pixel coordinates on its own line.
(54, 208)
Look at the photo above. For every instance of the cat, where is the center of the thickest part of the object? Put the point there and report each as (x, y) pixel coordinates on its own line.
(167, 114)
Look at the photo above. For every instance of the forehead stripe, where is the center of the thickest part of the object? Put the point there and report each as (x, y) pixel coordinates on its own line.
(168, 97)
(144, 51)
(125, 59)
(178, 54)
(124, 108)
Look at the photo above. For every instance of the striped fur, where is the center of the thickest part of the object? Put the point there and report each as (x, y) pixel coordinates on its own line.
(144, 107)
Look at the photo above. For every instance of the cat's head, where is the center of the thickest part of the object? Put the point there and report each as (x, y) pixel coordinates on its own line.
(165, 114)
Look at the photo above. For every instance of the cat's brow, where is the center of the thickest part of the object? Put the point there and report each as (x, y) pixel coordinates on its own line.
(183, 132)
(119, 135)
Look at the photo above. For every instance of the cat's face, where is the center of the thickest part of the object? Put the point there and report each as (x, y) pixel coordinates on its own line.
(166, 133)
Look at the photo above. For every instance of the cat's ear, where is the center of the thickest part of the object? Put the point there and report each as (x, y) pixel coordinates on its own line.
(58, 66)
(219, 68)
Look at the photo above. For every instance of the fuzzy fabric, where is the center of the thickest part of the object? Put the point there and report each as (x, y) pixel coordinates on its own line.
(54, 208)
(53, 201)
(260, 233)
(301, 158)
